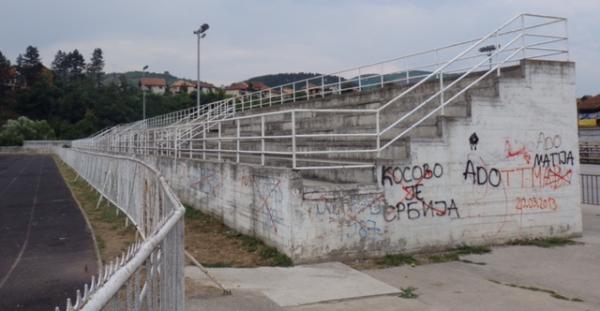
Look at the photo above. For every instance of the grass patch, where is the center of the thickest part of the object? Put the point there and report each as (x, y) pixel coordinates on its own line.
(408, 293)
(444, 257)
(215, 245)
(192, 213)
(468, 250)
(216, 265)
(545, 242)
(552, 293)
(397, 260)
(112, 236)
(454, 254)
(420, 258)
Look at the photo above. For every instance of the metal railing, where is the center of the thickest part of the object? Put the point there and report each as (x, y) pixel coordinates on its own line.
(590, 186)
(286, 137)
(589, 152)
(149, 275)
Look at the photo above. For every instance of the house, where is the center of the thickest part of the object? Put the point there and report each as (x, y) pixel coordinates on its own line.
(588, 108)
(182, 86)
(256, 86)
(207, 87)
(237, 89)
(154, 85)
(242, 88)
(11, 81)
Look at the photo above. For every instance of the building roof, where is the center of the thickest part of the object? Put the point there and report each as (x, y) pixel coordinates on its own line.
(206, 85)
(257, 86)
(589, 104)
(183, 83)
(237, 86)
(152, 82)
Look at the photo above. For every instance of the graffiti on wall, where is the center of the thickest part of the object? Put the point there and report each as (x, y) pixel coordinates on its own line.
(268, 200)
(528, 167)
(358, 215)
(406, 193)
(206, 181)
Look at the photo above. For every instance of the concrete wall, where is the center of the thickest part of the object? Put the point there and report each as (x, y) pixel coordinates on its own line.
(518, 179)
(254, 200)
(509, 171)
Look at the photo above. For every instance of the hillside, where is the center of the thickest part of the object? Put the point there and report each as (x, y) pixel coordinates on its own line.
(283, 78)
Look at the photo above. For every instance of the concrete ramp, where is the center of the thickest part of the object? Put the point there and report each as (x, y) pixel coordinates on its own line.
(300, 285)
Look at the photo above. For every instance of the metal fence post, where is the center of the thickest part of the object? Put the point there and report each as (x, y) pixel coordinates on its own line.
(294, 138)
(237, 157)
(377, 129)
(359, 80)
(322, 86)
(190, 141)
(307, 90)
(204, 140)
(381, 75)
(219, 141)
(262, 140)
(442, 92)
(523, 35)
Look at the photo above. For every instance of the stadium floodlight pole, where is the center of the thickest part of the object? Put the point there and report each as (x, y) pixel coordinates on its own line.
(144, 92)
(200, 33)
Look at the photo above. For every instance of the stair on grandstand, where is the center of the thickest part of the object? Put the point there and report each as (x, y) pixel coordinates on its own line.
(350, 123)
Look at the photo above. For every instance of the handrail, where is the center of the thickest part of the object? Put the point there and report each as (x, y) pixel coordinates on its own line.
(496, 32)
(169, 132)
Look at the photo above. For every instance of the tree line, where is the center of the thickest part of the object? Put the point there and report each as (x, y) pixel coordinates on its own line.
(70, 100)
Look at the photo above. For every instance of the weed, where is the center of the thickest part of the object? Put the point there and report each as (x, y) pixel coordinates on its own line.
(467, 250)
(249, 243)
(545, 242)
(101, 243)
(217, 265)
(276, 258)
(192, 213)
(408, 293)
(444, 257)
(397, 260)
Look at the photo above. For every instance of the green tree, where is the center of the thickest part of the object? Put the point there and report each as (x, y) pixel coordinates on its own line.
(59, 66)
(96, 67)
(75, 64)
(4, 71)
(29, 65)
(14, 132)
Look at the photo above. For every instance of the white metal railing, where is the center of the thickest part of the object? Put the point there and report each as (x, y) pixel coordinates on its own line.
(149, 275)
(286, 137)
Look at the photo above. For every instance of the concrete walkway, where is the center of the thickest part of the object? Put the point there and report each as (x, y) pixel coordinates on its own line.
(497, 283)
(46, 248)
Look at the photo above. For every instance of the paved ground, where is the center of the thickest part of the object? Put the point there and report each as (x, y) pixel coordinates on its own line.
(46, 249)
(570, 271)
(299, 285)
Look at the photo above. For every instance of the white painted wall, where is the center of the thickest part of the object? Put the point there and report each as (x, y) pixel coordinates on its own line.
(534, 115)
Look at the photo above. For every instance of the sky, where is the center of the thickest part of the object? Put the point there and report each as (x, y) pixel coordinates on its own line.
(249, 37)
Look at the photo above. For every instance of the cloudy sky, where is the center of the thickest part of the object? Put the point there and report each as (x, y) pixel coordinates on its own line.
(251, 37)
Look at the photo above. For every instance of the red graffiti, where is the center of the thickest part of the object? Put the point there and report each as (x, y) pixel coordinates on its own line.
(511, 153)
(540, 203)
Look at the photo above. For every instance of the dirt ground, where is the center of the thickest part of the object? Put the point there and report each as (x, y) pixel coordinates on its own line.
(215, 245)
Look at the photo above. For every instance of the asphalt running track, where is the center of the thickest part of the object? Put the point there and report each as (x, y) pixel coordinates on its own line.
(46, 249)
